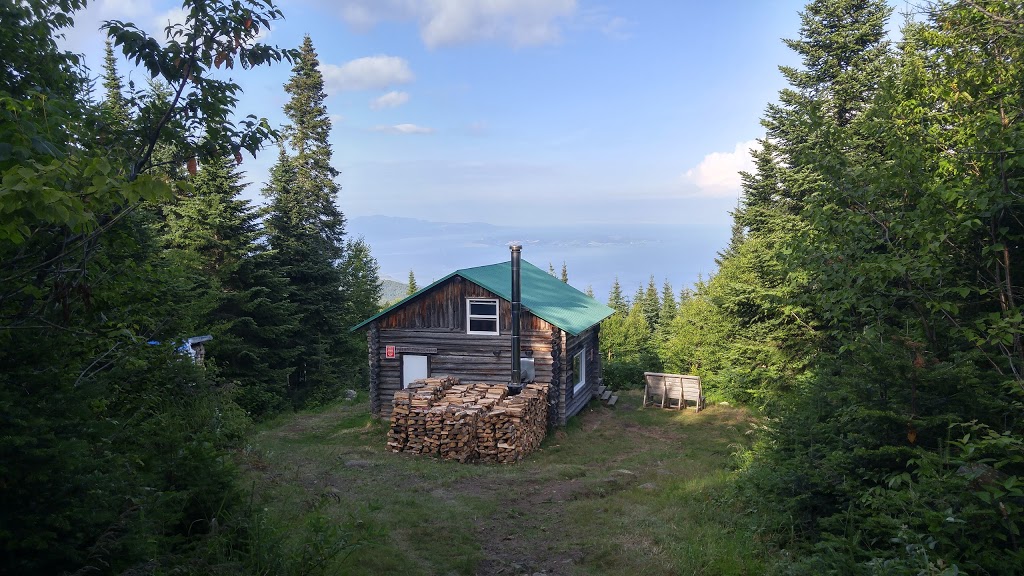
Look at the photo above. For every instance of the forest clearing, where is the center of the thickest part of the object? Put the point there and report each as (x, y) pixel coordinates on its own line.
(618, 491)
(176, 179)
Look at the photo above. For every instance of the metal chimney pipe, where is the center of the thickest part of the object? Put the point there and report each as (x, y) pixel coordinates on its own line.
(517, 305)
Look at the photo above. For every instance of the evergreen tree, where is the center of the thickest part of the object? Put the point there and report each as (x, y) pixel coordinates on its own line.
(615, 299)
(696, 338)
(842, 293)
(650, 306)
(845, 55)
(213, 222)
(243, 299)
(638, 300)
(412, 284)
(361, 280)
(362, 291)
(668, 306)
(626, 341)
(115, 448)
(565, 273)
(685, 294)
(797, 166)
(551, 268)
(589, 291)
(735, 239)
(626, 338)
(306, 231)
(114, 106)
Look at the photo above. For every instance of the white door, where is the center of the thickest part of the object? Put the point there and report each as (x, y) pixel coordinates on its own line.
(414, 368)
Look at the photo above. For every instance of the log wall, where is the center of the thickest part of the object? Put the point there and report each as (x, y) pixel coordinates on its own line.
(468, 357)
(434, 325)
(557, 393)
(373, 345)
(443, 307)
(587, 341)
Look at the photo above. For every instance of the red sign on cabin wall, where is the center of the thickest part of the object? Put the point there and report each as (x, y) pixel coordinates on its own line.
(389, 351)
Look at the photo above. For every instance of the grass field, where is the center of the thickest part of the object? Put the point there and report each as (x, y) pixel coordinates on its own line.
(618, 491)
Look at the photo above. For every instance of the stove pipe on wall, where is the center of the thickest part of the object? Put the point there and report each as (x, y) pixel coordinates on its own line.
(517, 304)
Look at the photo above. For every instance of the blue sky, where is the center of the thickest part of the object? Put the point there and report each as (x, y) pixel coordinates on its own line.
(532, 111)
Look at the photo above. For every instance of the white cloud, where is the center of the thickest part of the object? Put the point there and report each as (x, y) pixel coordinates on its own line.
(392, 99)
(364, 14)
(413, 129)
(521, 22)
(369, 73)
(451, 22)
(404, 129)
(718, 174)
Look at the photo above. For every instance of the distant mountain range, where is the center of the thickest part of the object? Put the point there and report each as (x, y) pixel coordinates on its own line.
(595, 254)
(392, 290)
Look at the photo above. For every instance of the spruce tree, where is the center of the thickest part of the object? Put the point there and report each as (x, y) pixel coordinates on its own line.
(669, 309)
(362, 292)
(565, 273)
(626, 341)
(114, 106)
(650, 306)
(244, 300)
(114, 445)
(878, 198)
(844, 51)
(361, 281)
(590, 290)
(637, 301)
(412, 284)
(615, 299)
(685, 294)
(213, 222)
(306, 230)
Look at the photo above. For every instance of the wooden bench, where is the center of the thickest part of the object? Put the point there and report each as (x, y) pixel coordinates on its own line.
(676, 391)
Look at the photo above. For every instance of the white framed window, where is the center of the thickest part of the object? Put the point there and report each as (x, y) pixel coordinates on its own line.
(482, 316)
(579, 370)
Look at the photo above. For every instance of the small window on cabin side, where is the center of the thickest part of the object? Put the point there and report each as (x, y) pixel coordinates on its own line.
(482, 316)
(579, 368)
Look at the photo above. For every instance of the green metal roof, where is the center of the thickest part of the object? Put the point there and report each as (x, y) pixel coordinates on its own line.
(544, 295)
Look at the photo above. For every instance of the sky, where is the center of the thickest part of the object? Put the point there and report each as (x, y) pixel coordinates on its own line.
(528, 112)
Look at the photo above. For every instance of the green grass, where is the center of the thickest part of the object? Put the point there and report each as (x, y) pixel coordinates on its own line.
(618, 491)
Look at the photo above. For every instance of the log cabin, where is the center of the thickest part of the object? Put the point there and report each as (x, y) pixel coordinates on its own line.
(461, 325)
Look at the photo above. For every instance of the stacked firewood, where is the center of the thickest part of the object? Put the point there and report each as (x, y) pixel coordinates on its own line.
(458, 434)
(408, 417)
(466, 422)
(515, 427)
